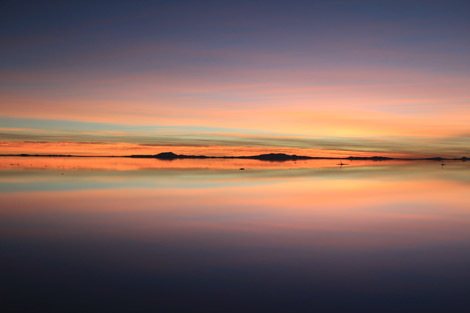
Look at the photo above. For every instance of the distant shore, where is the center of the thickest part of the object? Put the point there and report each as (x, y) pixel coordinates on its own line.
(273, 157)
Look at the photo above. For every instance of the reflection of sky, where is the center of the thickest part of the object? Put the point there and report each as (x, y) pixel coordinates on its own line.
(34, 174)
(371, 234)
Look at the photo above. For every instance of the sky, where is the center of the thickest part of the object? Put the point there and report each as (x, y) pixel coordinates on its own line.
(319, 78)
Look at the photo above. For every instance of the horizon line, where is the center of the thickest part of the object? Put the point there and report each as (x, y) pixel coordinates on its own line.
(262, 157)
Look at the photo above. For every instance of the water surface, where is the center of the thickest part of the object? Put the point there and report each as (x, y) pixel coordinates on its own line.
(116, 234)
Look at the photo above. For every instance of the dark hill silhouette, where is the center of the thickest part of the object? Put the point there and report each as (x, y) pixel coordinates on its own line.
(166, 156)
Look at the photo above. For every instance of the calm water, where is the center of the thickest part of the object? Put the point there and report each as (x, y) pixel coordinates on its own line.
(96, 235)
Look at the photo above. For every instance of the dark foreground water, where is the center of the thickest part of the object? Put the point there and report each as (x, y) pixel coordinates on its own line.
(123, 235)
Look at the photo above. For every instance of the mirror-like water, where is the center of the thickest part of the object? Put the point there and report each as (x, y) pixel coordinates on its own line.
(200, 235)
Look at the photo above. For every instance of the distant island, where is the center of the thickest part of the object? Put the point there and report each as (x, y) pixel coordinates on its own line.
(273, 157)
(264, 157)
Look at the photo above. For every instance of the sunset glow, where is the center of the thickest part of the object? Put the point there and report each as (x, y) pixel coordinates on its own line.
(244, 156)
(353, 78)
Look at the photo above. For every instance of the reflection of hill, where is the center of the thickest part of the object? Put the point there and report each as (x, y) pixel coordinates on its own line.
(375, 158)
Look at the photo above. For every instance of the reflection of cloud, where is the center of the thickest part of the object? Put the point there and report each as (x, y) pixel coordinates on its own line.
(36, 174)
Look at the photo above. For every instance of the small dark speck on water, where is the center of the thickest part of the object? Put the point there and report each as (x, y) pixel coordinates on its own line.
(242, 169)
